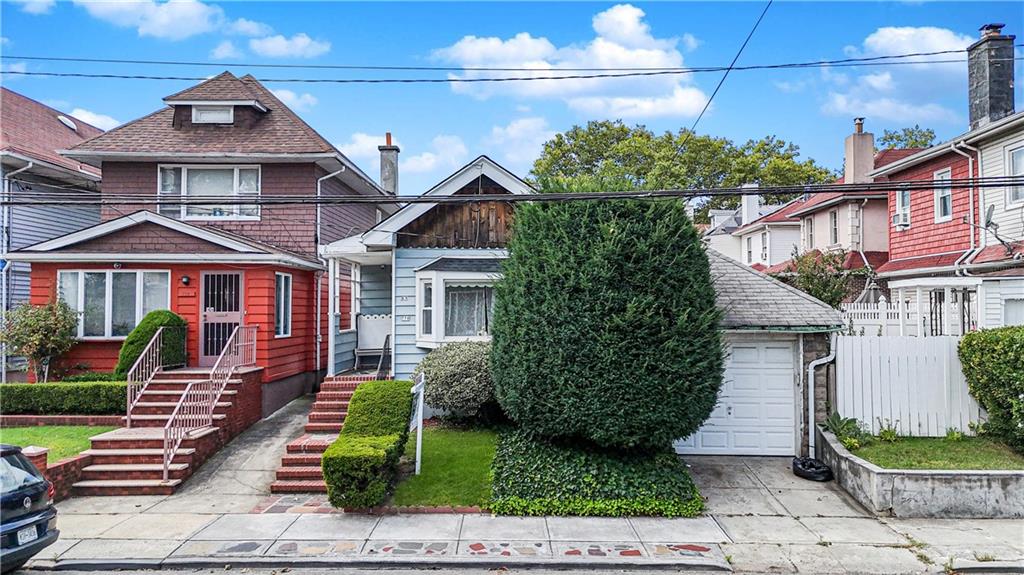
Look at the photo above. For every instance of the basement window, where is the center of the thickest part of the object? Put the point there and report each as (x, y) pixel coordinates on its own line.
(213, 114)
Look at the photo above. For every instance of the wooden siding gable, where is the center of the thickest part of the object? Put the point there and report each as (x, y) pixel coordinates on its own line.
(469, 225)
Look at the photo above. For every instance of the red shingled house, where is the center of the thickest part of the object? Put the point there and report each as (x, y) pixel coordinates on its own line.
(245, 276)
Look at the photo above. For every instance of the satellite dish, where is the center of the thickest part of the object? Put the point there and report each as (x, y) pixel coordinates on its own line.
(68, 122)
(988, 214)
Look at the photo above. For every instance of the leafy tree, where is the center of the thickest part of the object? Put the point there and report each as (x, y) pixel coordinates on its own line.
(821, 275)
(41, 333)
(605, 325)
(916, 137)
(642, 159)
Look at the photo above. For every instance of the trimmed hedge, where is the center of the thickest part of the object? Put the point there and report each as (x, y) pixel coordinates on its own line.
(533, 477)
(91, 376)
(360, 466)
(87, 398)
(993, 363)
(605, 324)
(173, 352)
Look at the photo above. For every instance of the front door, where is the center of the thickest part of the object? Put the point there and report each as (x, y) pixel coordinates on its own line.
(220, 314)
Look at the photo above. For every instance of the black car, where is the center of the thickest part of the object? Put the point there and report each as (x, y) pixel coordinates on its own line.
(28, 521)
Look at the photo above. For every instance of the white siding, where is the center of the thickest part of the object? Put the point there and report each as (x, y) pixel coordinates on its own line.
(406, 353)
(727, 245)
(994, 163)
(782, 241)
(994, 294)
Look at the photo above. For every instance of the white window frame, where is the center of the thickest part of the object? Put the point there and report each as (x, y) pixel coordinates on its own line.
(439, 280)
(943, 175)
(235, 216)
(1007, 301)
(764, 246)
(286, 315)
(833, 227)
(903, 207)
(810, 232)
(198, 110)
(750, 249)
(1012, 203)
(108, 300)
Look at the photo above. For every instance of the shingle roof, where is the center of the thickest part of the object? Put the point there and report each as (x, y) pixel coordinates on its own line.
(482, 265)
(752, 300)
(32, 129)
(919, 263)
(853, 261)
(278, 131)
(224, 86)
(783, 215)
(882, 158)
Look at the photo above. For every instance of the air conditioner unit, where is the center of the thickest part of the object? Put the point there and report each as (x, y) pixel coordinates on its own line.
(901, 220)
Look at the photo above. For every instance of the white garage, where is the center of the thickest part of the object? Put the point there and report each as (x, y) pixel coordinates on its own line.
(761, 402)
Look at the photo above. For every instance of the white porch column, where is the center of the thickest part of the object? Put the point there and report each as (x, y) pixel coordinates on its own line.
(947, 302)
(920, 316)
(901, 309)
(332, 311)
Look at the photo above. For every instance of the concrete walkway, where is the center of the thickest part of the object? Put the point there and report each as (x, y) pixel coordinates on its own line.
(760, 519)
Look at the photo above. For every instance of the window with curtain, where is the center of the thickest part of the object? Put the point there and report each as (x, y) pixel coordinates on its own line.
(111, 303)
(468, 310)
(196, 182)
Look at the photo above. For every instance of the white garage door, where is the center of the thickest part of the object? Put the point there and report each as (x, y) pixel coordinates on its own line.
(756, 411)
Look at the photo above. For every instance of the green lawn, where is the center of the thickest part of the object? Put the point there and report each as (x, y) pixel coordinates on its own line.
(63, 440)
(455, 471)
(938, 453)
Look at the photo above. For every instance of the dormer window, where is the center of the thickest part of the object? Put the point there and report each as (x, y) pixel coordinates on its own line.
(213, 114)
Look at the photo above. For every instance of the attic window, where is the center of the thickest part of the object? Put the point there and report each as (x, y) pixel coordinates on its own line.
(213, 114)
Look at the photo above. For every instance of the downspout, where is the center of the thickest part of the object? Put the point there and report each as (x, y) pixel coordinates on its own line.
(5, 242)
(320, 274)
(981, 207)
(958, 270)
(810, 391)
(860, 240)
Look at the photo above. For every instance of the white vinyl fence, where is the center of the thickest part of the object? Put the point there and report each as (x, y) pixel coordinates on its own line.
(916, 383)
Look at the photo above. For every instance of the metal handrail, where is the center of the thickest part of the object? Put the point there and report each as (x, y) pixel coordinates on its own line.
(384, 364)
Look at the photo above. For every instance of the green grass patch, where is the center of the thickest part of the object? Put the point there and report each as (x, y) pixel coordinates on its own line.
(62, 440)
(455, 471)
(940, 453)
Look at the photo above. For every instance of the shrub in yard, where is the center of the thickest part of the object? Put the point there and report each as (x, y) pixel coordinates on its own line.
(993, 363)
(359, 467)
(173, 352)
(92, 376)
(605, 324)
(459, 380)
(90, 398)
(534, 477)
(40, 333)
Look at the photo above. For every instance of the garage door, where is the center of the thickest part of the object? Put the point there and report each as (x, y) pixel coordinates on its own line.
(756, 411)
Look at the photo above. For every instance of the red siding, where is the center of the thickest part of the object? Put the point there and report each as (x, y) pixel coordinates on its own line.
(925, 236)
(281, 357)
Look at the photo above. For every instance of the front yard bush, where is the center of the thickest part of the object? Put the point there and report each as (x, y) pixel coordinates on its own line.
(360, 466)
(534, 477)
(605, 324)
(459, 380)
(173, 352)
(92, 376)
(86, 398)
(993, 363)
(41, 333)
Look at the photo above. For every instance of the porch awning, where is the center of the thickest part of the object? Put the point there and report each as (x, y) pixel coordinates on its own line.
(457, 264)
(353, 250)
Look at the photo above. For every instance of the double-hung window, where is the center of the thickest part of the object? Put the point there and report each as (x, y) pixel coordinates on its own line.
(282, 305)
(750, 249)
(809, 222)
(833, 227)
(111, 303)
(764, 246)
(901, 219)
(943, 195)
(234, 184)
(1015, 167)
(454, 306)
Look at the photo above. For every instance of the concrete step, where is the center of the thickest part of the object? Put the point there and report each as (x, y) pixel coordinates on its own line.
(126, 487)
(137, 456)
(167, 407)
(136, 471)
(321, 427)
(160, 420)
(301, 459)
(298, 486)
(143, 438)
(311, 473)
(176, 392)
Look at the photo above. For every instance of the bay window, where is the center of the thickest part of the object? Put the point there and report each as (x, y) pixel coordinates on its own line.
(197, 182)
(111, 303)
(454, 306)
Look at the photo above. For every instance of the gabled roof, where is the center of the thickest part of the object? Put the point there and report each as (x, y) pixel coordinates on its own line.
(732, 220)
(230, 247)
(33, 130)
(224, 87)
(825, 200)
(782, 216)
(853, 261)
(751, 300)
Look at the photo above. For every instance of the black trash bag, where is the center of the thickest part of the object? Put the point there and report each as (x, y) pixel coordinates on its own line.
(813, 469)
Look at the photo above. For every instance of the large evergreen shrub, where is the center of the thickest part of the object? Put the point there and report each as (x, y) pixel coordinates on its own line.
(605, 324)
(993, 363)
(173, 352)
(459, 380)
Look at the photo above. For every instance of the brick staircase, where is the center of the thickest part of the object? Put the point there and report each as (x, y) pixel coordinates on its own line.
(300, 470)
(129, 461)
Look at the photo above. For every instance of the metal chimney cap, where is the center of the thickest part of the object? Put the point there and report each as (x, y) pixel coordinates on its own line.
(993, 29)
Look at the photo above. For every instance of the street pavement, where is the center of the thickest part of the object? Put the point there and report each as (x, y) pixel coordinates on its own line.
(760, 519)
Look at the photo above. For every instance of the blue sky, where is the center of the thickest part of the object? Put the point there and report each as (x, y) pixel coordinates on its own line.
(441, 126)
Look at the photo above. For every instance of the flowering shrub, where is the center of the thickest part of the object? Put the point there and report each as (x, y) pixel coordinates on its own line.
(40, 333)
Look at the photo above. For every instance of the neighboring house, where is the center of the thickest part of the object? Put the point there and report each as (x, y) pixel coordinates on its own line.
(953, 268)
(723, 223)
(31, 133)
(221, 267)
(770, 239)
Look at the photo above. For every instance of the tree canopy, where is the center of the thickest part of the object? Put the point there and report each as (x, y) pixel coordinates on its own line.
(916, 137)
(611, 150)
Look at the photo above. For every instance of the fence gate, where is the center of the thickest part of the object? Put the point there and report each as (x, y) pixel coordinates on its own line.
(916, 383)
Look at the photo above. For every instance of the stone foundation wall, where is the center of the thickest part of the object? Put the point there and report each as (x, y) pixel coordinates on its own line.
(816, 346)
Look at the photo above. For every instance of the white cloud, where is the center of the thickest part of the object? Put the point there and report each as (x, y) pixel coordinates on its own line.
(172, 20)
(225, 50)
(295, 101)
(906, 94)
(622, 40)
(298, 46)
(15, 67)
(690, 42)
(101, 121)
(521, 141)
(246, 27)
(5, 41)
(446, 151)
(57, 104)
(36, 6)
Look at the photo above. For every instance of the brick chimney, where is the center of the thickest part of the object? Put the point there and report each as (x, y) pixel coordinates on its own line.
(860, 154)
(990, 76)
(389, 165)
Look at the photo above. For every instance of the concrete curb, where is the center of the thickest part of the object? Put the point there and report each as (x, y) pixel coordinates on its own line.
(967, 566)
